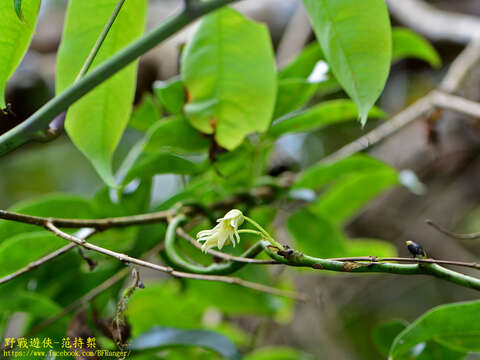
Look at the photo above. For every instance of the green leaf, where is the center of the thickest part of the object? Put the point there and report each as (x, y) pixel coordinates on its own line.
(15, 34)
(171, 94)
(229, 72)
(343, 200)
(54, 205)
(316, 235)
(321, 174)
(163, 337)
(406, 43)
(96, 122)
(371, 247)
(14, 254)
(29, 302)
(17, 5)
(357, 47)
(175, 134)
(292, 95)
(385, 333)
(303, 65)
(145, 115)
(451, 325)
(278, 353)
(319, 116)
(160, 163)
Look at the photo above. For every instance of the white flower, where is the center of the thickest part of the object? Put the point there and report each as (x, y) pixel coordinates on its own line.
(226, 228)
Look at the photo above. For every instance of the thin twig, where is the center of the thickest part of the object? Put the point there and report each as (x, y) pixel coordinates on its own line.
(166, 269)
(99, 224)
(435, 23)
(182, 233)
(456, 103)
(472, 236)
(457, 72)
(43, 260)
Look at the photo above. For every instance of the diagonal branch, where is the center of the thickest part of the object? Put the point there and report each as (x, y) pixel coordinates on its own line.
(40, 120)
(166, 269)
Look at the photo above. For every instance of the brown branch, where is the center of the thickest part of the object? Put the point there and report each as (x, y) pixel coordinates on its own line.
(435, 23)
(166, 269)
(472, 236)
(99, 224)
(456, 103)
(182, 233)
(450, 83)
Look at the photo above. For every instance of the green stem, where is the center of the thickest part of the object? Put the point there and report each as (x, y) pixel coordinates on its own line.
(94, 51)
(215, 269)
(264, 232)
(40, 120)
(301, 260)
(249, 231)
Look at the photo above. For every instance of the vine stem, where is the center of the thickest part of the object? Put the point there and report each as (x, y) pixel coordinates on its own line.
(298, 259)
(264, 232)
(40, 120)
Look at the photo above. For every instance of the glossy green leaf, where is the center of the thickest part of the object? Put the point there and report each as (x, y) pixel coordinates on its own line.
(292, 95)
(319, 116)
(163, 337)
(278, 353)
(14, 254)
(303, 65)
(371, 247)
(319, 175)
(145, 115)
(160, 163)
(385, 333)
(316, 235)
(97, 121)
(229, 72)
(175, 134)
(355, 37)
(16, 29)
(406, 43)
(343, 200)
(451, 325)
(54, 205)
(435, 351)
(171, 94)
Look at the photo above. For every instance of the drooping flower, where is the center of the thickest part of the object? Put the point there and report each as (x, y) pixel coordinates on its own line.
(226, 229)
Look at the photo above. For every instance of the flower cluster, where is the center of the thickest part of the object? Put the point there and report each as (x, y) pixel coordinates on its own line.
(226, 229)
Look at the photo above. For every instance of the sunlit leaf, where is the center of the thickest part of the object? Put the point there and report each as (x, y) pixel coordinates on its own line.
(320, 175)
(319, 116)
(343, 200)
(451, 325)
(406, 43)
(229, 72)
(175, 134)
(96, 122)
(355, 37)
(16, 30)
